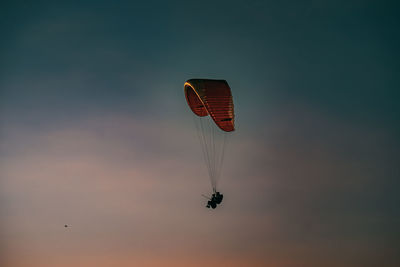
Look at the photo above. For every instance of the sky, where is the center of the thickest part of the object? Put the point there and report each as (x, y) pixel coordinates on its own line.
(95, 133)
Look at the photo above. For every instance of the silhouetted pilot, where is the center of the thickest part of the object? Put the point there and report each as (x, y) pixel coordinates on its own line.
(218, 198)
(211, 203)
(215, 199)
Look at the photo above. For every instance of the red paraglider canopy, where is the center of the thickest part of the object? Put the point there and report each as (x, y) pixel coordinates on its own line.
(212, 97)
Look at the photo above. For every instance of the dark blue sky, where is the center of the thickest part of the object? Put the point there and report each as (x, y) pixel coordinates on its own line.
(341, 58)
(315, 156)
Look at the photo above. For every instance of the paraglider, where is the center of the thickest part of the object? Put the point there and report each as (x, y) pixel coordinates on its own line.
(214, 98)
(215, 200)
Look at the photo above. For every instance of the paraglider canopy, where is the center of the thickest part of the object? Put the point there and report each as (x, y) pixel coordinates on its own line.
(211, 97)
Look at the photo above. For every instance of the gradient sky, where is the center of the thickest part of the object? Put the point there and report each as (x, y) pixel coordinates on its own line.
(95, 133)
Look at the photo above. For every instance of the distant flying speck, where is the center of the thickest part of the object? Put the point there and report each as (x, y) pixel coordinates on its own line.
(65, 226)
